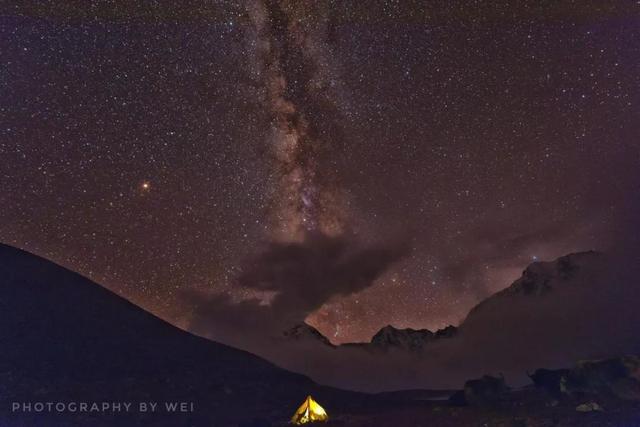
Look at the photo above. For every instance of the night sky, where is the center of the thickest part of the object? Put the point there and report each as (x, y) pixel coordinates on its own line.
(155, 149)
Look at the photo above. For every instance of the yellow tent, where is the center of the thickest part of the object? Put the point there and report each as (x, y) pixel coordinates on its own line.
(309, 412)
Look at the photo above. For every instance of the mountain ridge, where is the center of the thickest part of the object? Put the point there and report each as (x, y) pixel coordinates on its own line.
(535, 280)
(66, 338)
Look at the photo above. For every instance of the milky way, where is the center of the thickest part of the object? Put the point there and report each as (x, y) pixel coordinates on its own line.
(291, 59)
(156, 148)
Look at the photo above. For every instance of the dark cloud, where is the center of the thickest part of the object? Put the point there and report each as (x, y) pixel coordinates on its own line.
(307, 274)
(302, 277)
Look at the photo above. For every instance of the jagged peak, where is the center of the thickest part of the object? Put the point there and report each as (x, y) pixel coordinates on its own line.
(408, 338)
(540, 277)
(390, 329)
(536, 278)
(304, 331)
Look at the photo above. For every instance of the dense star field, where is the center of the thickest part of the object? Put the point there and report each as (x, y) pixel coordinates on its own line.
(156, 149)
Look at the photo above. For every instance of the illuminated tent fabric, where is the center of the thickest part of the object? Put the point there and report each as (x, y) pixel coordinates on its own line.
(309, 412)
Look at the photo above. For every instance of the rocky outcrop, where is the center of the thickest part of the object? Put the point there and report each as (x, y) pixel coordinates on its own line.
(619, 377)
(536, 279)
(551, 380)
(447, 332)
(487, 390)
(409, 339)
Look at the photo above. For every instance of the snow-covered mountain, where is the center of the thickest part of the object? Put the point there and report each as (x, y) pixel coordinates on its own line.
(303, 332)
(541, 278)
(579, 306)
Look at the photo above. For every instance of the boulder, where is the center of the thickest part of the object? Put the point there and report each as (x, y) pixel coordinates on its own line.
(550, 380)
(589, 407)
(487, 390)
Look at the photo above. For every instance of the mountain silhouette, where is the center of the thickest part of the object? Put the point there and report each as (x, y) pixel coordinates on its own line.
(66, 338)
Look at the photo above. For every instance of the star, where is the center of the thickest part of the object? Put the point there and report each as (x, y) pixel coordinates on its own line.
(477, 151)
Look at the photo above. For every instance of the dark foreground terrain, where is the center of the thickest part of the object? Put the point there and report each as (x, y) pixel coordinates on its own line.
(66, 339)
(527, 408)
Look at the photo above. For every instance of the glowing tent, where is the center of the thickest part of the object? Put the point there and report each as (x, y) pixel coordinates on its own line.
(309, 412)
